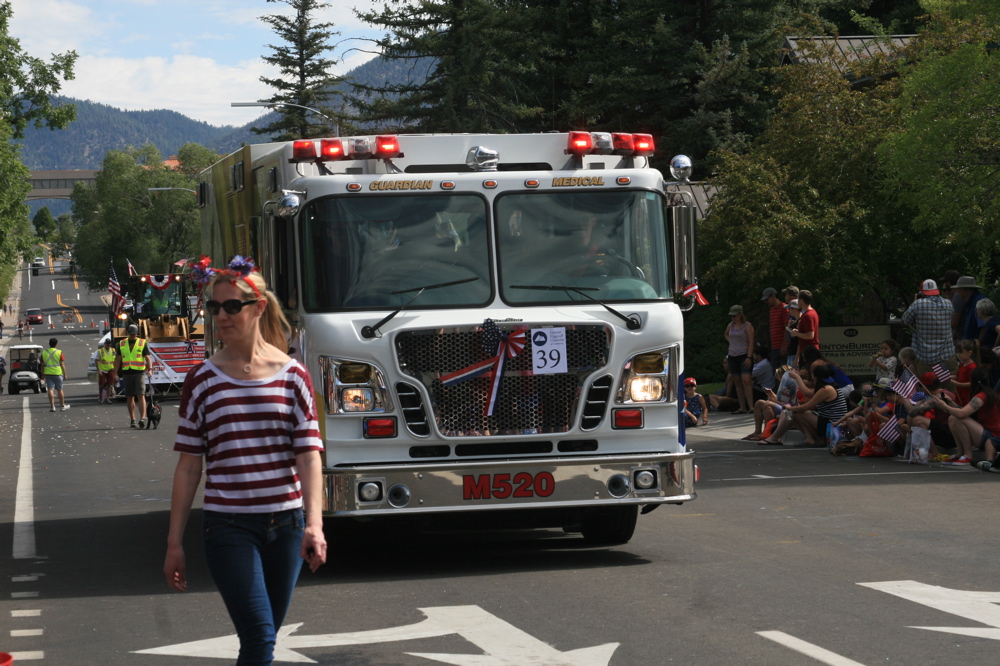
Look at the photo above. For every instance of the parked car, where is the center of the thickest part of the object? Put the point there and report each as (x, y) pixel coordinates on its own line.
(34, 316)
(23, 364)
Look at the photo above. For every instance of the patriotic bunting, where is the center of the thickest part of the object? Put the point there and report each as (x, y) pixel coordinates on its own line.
(501, 346)
(692, 291)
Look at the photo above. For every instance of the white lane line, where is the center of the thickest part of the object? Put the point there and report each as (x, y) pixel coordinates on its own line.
(27, 656)
(831, 476)
(23, 579)
(20, 633)
(26, 613)
(23, 595)
(24, 503)
(808, 649)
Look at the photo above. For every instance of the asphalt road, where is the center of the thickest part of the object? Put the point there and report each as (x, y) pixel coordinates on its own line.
(788, 556)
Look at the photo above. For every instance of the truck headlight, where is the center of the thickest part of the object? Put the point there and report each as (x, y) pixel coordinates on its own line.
(351, 386)
(646, 388)
(357, 399)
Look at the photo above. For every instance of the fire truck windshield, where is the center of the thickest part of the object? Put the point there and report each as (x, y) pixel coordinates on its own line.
(611, 244)
(366, 252)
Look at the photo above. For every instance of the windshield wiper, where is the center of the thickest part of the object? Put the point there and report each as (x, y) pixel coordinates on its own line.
(632, 323)
(371, 331)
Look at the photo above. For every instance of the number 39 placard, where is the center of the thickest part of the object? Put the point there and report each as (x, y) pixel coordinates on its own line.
(548, 350)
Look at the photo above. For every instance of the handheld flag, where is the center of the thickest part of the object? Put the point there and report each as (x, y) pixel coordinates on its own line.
(692, 291)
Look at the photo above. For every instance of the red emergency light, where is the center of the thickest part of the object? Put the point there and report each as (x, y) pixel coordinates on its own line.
(643, 143)
(386, 147)
(580, 143)
(622, 143)
(331, 150)
(304, 150)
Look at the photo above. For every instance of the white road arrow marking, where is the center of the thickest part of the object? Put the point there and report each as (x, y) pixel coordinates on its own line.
(503, 643)
(977, 606)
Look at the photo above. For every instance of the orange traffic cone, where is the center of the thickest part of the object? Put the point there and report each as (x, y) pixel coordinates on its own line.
(52, 324)
(92, 324)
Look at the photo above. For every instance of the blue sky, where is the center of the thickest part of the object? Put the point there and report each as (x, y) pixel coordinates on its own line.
(190, 56)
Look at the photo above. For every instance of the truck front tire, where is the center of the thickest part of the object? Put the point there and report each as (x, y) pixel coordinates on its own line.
(609, 526)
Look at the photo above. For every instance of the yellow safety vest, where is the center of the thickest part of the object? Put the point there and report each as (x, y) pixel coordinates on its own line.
(106, 359)
(52, 358)
(133, 359)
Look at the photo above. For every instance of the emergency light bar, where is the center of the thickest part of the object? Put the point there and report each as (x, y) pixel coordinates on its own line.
(331, 150)
(304, 150)
(387, 147)
(605, 143)
(580, 143)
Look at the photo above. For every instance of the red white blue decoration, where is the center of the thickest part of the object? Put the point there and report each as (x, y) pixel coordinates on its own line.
(692, 291)
(501, 346)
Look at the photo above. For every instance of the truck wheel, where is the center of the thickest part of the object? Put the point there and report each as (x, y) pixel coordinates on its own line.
(38, 387)
(14, 389)
(609, 525)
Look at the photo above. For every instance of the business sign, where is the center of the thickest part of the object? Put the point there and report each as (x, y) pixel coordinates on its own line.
(851, 347)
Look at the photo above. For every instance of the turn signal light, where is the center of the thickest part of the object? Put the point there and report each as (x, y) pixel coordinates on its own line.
(625, 419)
(380, 427)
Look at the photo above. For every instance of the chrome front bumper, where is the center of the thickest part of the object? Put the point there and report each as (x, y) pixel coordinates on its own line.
(530, 483)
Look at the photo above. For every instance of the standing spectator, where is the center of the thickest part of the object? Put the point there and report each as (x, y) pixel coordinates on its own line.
(791, 293)
(54, 370)
(885, 360)
(792, 344)
(695, 407)
(739, 334)
(106, 357)
(930, 317)
(3, 371)
(807, 330)
(249, 413)
(132, 365)
(968, 326)
(989, 323)
(776, 318)
(1, 329)
(972, 432)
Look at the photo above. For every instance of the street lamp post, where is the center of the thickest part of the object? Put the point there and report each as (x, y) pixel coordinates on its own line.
(271, 105)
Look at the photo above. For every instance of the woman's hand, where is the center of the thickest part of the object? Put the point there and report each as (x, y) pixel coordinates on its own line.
(313, 548)
(174, 568)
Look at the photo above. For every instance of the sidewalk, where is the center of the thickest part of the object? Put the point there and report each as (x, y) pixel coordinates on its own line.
(10, 321)
(726, 427)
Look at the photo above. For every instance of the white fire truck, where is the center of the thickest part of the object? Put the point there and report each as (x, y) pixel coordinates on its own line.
(491, 321)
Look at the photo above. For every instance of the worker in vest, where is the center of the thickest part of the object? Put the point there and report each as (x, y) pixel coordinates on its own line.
(106, 356)
(54, 370)
(159, 302)
(133, 366)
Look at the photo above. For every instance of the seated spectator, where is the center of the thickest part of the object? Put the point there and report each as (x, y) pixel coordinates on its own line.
(695, 407)
(768, 408)
(988, 360)
(853, 423)
(724, 400)
(907, 361)
(762, 374)
(965, 350)
(975, 432)
(829, 405)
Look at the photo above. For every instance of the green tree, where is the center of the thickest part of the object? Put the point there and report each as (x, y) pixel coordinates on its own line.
(45, 224)
(800, 206)
(945, 156)
(119, 218)
(304, 73)
(195, 158)
(66, 232)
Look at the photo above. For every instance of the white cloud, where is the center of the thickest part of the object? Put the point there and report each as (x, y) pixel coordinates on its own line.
(199, 88)
(55, 26)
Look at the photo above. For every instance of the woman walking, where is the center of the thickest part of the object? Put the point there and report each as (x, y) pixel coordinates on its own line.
(248, 411)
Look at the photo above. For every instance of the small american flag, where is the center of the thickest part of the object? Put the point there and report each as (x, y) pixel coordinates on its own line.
(131, 268)
(117, 300)
(889, 432)
(906, 385)
(942, 372)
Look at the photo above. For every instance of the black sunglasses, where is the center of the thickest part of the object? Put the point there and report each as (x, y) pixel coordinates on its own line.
(232, 306)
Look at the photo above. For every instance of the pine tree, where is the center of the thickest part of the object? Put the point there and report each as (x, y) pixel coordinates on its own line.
(304, 79)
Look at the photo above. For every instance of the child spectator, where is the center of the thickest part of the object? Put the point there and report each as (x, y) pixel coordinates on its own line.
(907, 361)
(885, 361)
(695, 407)
(852, 424)
(965, 349)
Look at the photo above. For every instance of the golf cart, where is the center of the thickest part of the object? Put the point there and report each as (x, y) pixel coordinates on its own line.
(24, 366)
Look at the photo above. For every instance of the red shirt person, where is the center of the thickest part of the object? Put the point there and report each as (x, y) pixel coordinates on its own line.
(807, 330)
(777, 316)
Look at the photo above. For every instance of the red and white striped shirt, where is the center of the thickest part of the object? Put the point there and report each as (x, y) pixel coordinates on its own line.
(249, 432)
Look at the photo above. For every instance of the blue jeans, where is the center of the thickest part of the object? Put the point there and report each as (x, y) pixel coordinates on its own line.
(254, 561)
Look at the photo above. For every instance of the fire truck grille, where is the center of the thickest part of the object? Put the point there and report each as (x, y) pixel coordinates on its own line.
(525, 403)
